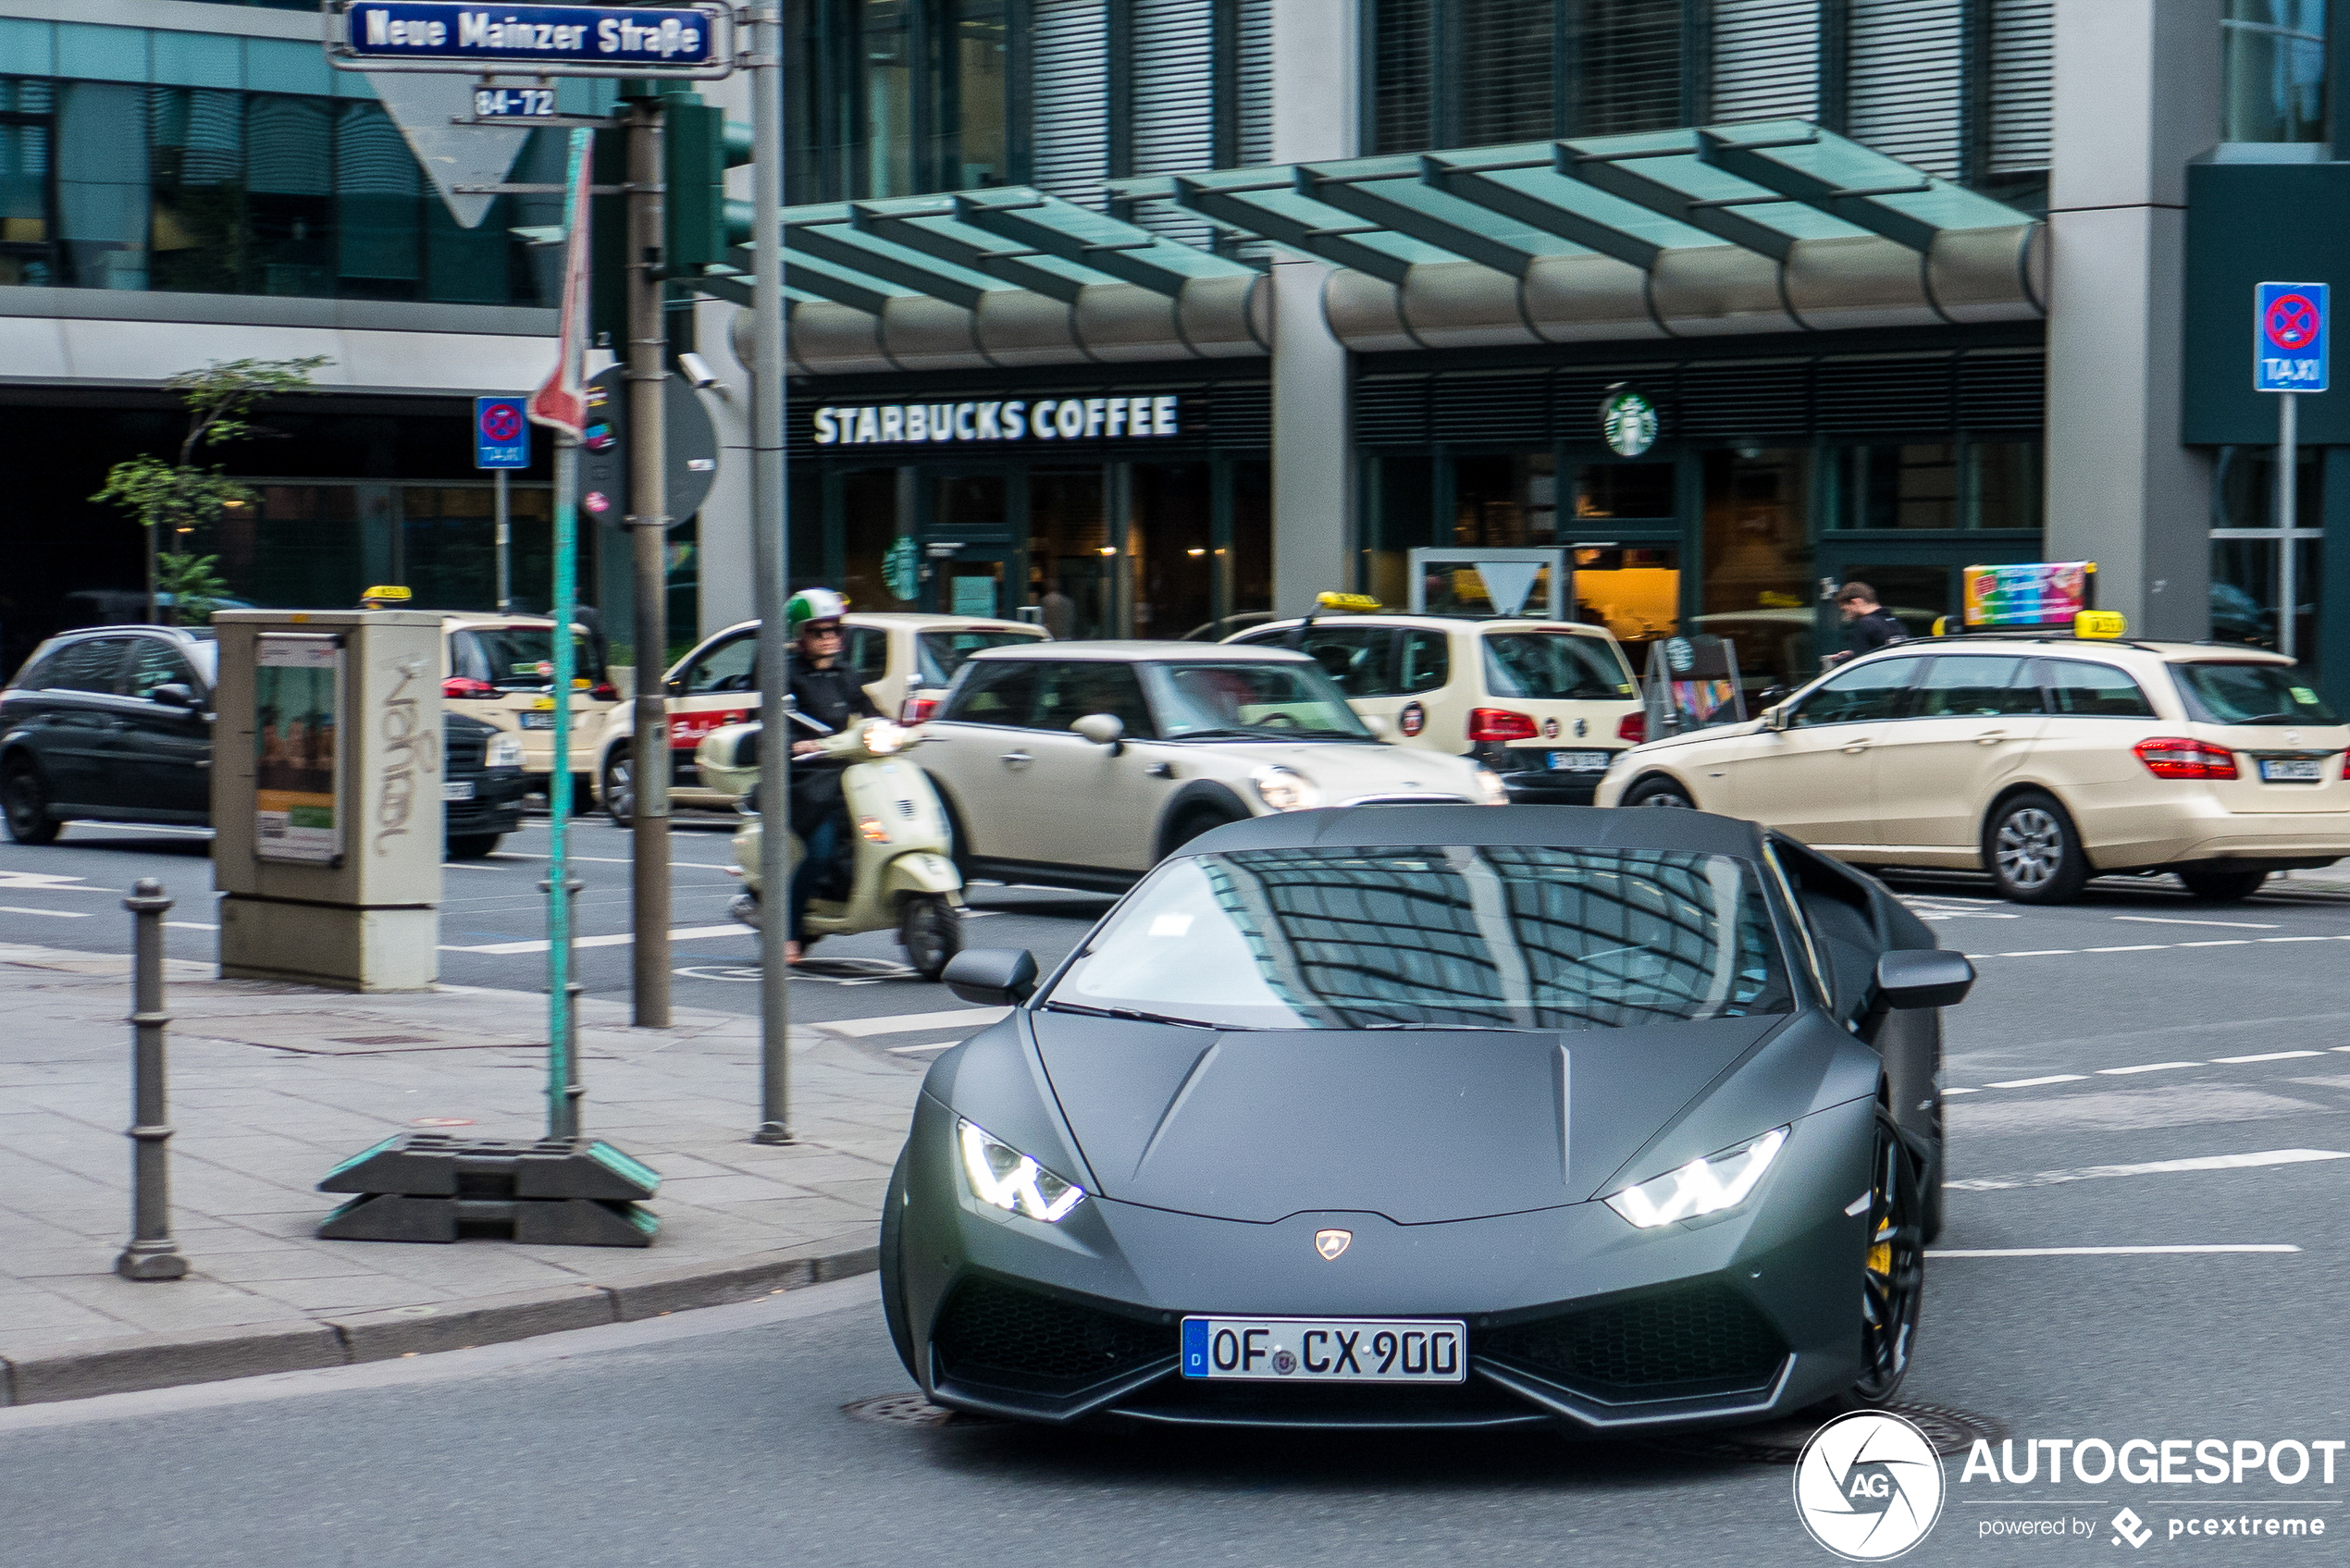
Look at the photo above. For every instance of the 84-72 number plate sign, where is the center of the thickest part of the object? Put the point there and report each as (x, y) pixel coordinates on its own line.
(1327, 1349)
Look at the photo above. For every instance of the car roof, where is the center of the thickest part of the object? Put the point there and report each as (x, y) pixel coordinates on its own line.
(2169, 653)
(1550, 827)
(885, 618)
(149, 628)
(1463, 623)
(1130, 652)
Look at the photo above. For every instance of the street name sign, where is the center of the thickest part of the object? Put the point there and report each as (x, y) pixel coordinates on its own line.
(2289, 331)
(502, 434)
(446, 35)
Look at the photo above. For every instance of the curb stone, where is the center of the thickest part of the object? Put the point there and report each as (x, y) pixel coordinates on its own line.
(133, 1362)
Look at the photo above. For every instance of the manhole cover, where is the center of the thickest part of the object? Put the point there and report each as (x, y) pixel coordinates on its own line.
(910, 1409)
(1781, 1442)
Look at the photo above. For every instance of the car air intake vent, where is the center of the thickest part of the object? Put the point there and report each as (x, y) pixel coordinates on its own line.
(1648, 1347)
(998, 1334)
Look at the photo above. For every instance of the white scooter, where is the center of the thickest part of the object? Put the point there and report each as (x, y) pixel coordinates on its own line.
(903, 876)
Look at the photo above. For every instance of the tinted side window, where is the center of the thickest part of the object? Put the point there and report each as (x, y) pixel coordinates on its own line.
(1360, 661)
(1003, 692)
(2093, 691)
(38, 672)
(727, 667)
(1426, 663)
(1870, 691)
(155, 663)
(1066, 693)
(1976, 685)
(88, 666)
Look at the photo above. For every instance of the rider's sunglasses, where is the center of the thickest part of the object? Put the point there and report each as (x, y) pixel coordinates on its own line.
(821, 632)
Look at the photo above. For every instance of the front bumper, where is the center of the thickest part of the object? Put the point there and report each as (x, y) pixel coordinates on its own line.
(496, 807)
(1575, 1319)
(1526, 773)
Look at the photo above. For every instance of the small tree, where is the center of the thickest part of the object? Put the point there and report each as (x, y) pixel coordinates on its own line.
(220, 398)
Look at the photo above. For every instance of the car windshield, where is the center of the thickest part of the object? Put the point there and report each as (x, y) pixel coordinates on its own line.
(1439, 937)
(1554, 665)
(2241, 692)
(942, 653)
(1227, 699)
(516, 658)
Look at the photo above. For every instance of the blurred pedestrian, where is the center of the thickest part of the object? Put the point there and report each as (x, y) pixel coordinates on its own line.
(1868, 625)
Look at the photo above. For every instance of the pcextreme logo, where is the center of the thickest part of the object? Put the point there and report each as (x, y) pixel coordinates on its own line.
(1868, 1487)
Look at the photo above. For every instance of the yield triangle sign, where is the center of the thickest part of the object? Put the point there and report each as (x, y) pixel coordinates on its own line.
(1508, 581)
(422, 103)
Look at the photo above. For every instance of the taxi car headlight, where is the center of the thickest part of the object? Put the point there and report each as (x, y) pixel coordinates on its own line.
(504, 751)
(1286, 789)
(1488, 787)
(1002, 1177)
(1702, 1187)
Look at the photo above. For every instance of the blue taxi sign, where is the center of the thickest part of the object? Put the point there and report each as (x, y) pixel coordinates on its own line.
(2289, 337)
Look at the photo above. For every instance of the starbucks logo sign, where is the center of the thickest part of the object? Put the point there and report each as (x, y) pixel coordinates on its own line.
(1628, 422)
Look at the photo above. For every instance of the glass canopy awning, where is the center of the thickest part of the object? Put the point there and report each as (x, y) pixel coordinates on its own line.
(1773, 225)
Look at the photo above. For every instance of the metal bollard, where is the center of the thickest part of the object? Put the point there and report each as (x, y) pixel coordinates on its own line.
(152, 1254)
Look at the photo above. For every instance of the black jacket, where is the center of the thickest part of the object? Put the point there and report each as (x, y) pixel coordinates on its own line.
(1879, 628)
(835, 699)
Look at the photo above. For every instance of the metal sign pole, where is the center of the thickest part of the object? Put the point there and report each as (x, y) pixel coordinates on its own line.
(2288, 452)
(564, 1089)
(770, 542)
(505, 550)
(649, 526)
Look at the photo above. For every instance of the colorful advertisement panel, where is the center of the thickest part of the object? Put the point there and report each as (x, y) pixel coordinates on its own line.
(2036, 593)
(298, 703)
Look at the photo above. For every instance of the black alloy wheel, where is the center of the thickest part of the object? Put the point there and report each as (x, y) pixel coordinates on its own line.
(1892, 1270)
(619, 788)
(2033, 851)
(24, 801)
(1193, 824)
(1655, 790)
(931, 929)
(2222, 886)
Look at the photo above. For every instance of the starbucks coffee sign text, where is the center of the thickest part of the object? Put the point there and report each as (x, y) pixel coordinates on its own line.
(1041, 419)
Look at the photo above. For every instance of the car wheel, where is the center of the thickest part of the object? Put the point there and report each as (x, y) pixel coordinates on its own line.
(1657, 791)
(619, 788)
(26, 801)
(1892, 1273)
(2223, 886)
(474, 845)
(932, 932)
(2033, 852)
(1193, 824)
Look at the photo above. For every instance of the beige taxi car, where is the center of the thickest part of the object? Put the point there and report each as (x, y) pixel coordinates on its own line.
(1082, 765)
(906, 661)
(2041, 759)
(1545, 704)
(499, 669)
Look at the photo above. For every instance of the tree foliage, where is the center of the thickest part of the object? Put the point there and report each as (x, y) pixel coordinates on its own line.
(195, 586)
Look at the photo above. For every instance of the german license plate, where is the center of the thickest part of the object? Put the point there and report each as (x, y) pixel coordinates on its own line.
(456, 789)
(539, 721)
(1579, 762)
(2293, 769)
(1326, 1350)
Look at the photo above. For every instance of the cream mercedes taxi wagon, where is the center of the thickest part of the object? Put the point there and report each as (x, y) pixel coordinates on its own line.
(2043, 760)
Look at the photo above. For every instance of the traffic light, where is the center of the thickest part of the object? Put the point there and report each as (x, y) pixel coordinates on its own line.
(694, 158)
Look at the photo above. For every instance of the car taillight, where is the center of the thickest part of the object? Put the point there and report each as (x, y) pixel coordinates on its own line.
(466, 686)
(1500, 723)
(1633, 727)
(914, 709)
(604, 691)
(2168, 758)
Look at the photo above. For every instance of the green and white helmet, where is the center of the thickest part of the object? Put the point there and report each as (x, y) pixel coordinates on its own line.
(813, 604)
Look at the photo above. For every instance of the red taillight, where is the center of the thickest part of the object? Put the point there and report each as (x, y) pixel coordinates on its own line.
(2168, 758)
(1633, 727)
(1500, 723)
(604, 691)
(914, 709)
(466, 686)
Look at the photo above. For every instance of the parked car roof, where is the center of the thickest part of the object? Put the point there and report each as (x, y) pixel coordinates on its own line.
(1131, 651)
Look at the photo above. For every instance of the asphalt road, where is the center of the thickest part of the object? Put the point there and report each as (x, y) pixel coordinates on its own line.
(2137, 1071)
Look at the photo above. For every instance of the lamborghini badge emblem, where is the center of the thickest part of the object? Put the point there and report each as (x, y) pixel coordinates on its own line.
(1330, 1243)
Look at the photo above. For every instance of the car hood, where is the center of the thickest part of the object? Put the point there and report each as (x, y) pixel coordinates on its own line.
(1343, 770)
(1418, 1126)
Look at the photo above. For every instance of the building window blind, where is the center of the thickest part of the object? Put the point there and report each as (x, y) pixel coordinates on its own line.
(1625, 66)
(2023, 71)
(1071, 45)
(1766, 59)
(1504, 50)
(1173, 99)
(1907, 93)
(1404, 76)
(1253, 82)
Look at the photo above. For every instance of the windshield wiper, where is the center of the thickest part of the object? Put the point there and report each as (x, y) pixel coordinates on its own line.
(1132, 1015)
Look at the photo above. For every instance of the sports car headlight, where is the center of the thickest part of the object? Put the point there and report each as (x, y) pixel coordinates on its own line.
(504, 751)
(1702, 1187)
(1490, 789)
(1286, 789)
(1001, 1176)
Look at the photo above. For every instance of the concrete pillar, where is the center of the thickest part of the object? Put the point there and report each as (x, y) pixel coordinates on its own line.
(1315, 117)
(2137, 94)
(727, 577)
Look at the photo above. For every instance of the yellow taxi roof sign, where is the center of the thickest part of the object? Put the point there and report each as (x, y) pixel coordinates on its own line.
(390, 592)
(2099, 624)
(1345, 601)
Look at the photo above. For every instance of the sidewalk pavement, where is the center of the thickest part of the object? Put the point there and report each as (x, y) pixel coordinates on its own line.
(272, 1084)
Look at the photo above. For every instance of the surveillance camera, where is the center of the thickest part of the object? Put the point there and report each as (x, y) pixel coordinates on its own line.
(697, 371)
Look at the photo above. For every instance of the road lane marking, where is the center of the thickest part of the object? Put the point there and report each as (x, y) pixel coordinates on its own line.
(2229, 942)
(2140, 947)
(2300, 939)
(2035, 1082)
(622, 939)
(2037, 953)
(2103, 1252)
(191, 925)
(1947, 1092)
(907, 1023)
(610, 860)
(2153, 1167)
(52, 914)
(2268, 1057)
(2162, 920)
(140, 827)
(50, 881)
(2146, 1066)
(908, 1050)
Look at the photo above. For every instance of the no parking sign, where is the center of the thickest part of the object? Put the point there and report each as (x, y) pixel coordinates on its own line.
(502, 436)
(2289, 337)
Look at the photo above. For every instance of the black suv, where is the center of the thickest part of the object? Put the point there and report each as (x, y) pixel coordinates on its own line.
(115, 723)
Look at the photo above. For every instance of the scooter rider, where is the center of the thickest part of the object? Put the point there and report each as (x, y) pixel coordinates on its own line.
(824, 689)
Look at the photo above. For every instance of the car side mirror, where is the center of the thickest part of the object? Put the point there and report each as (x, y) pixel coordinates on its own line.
(675, 686)
(1777, 718)
(1380, 725)
(991, 977)
(175, 694)
(1771, 695)
(1102, 729)
(1923, 977)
